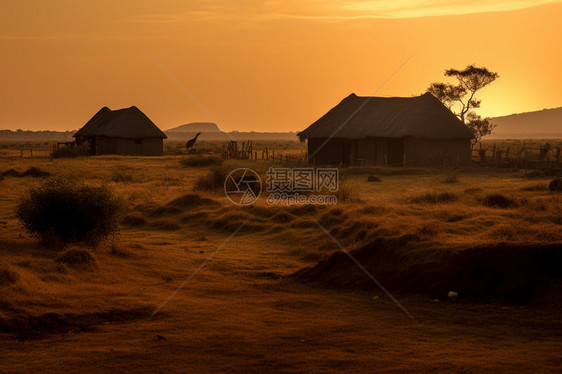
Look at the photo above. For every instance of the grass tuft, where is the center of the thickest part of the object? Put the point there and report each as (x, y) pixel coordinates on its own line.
(499, 201)
(212, 180)
(434, 198)
(8, 277)
(200, 161)
(77, 258)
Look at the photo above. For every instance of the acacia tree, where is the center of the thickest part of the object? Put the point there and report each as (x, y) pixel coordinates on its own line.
(462, 95)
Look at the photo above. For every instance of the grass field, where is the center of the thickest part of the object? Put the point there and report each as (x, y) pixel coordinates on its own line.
(244, 311)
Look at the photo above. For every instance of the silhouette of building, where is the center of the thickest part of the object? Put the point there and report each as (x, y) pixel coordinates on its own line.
(125, 131)
(413, 131)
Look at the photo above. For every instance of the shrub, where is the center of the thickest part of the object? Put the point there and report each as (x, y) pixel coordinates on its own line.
(69, 212)
(134, 220)
(498, 201)
(213, 180)
(8, 277)
(535, 187)
(555, 185)
(200, 161)
(71, 151)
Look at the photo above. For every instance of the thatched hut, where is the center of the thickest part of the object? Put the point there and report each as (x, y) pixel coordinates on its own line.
(125, 131)
(413, 131)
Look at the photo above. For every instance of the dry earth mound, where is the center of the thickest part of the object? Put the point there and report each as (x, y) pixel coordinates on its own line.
(509, 272)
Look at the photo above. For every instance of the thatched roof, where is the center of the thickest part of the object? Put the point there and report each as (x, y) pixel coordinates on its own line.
(128, 123)
(358, 117)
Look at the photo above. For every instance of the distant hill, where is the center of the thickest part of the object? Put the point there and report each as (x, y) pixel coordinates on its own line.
(196, 127)
(546, 123)
(228, 136)
(210, 131)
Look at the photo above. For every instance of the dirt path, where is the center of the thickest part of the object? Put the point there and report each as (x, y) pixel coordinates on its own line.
(237, 316)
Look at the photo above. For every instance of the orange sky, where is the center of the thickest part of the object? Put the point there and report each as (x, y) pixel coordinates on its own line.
(273, 65)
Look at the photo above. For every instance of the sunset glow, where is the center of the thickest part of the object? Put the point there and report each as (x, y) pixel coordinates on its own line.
(264, 66)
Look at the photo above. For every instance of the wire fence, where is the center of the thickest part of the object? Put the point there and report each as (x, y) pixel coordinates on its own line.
(524, 157)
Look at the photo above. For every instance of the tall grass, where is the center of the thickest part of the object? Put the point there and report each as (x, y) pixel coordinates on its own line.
(71, 151)
(213, 179)
(200, 161)
(434, 198)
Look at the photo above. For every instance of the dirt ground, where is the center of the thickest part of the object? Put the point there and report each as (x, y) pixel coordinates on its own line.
(241, 312)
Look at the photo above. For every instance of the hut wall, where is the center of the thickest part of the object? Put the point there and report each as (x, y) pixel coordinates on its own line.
(391, 151)
(120, 146)
(427, 152)
(331, 153)
(355, 151)
(368, 149)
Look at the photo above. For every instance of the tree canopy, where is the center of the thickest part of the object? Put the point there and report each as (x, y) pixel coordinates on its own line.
(470, 80)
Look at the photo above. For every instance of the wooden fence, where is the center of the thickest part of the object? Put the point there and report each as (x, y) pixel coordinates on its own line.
(246, 151)
(524, 157)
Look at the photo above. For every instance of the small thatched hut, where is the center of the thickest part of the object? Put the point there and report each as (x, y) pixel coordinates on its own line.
(125, 131)
(414, 131)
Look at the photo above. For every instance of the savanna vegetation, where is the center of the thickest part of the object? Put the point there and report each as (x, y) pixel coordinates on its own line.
(281, 284)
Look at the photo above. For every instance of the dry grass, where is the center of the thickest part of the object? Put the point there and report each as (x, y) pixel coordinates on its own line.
(170, 227)
(200, 161)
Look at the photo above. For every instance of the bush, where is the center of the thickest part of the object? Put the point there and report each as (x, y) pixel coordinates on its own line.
(555, 185)
(499, 201)
(69, 212)
(200, 161)
(134, 220)
(213, 180)
(71, 151)
(8, 277)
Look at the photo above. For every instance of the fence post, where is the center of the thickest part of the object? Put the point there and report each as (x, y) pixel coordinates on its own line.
(482, 154)
(404, 159)
(526, 157)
